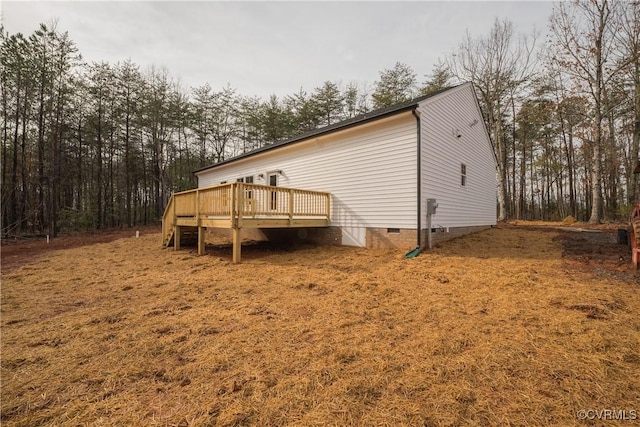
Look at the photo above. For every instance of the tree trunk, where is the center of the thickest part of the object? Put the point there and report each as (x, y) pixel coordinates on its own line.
(127, 160)
(110, 186)
(55, 168)
(596, 208)
(23, 170)
(523, 178)
(633, 195)
(41, 153)
(13, 202)
(502, 173)
(99, 183)
(596, 159)
(79, 204)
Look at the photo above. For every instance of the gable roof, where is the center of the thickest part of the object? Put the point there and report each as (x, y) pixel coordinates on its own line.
(345, 124)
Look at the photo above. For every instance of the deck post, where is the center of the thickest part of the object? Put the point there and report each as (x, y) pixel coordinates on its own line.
(240, 203)
(328, 207)
(200, 228)
(290, 191)
(237, 245)
(198, 207)
(233, 209)
(201, 231)
(176, 237)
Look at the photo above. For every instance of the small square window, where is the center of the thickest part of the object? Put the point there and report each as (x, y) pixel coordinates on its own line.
(463, 174)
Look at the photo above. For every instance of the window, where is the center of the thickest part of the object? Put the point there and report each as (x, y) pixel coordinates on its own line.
(246, 180)
(463, 174)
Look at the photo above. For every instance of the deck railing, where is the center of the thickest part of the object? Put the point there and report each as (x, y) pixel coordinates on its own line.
(238, 200)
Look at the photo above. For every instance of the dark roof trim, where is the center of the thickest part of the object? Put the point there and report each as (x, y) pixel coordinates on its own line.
(346, 124)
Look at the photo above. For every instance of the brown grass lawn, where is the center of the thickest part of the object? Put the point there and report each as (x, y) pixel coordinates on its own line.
(491, 329)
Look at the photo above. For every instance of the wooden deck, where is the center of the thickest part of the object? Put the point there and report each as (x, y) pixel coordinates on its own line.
(238, 205)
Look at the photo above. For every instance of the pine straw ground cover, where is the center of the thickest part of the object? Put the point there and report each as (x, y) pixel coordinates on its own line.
(491, 329)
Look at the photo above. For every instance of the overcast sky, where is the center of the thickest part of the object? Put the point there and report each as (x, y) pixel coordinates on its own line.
(262, 48)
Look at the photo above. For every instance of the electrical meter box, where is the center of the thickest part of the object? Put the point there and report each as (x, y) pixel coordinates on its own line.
(431, 206)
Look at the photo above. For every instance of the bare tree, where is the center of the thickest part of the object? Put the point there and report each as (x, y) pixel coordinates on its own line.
(499, 65)
(629, 41)
(585, 49)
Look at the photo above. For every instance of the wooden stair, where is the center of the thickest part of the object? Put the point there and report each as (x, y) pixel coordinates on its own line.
(188, 237)
(168, 221)
(168, 239)
(188, 234)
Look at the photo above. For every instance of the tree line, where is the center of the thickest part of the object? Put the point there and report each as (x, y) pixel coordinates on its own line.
(99, 145)
(565, 123)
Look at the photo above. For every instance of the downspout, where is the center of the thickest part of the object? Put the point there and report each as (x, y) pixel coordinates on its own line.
(419, 179)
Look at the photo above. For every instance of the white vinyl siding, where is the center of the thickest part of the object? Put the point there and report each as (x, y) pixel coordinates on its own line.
(370, 171)
(443, 118)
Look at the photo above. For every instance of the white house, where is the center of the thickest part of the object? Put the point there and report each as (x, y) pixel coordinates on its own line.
(381, 167)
